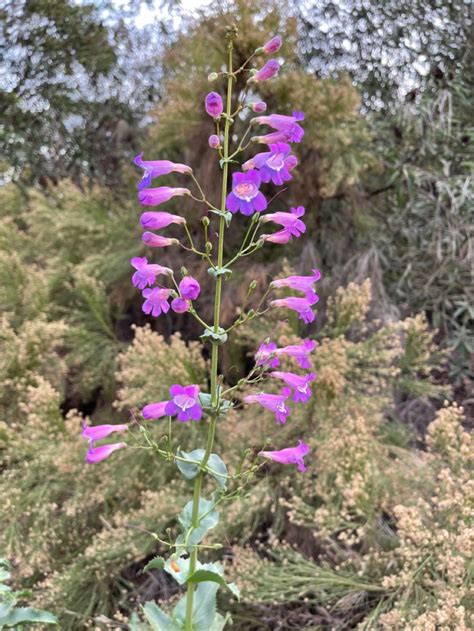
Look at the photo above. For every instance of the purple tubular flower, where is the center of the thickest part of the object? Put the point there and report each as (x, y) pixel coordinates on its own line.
(189, 288)
(146, 273)
(97, 454)
(180, 305)
(290, 455)
(281, 237)
(273, 45)
(272, 165)
(245, 196)
(273, 402)
(214, 141)
(300, 283)
(153, 411)
(299, 351)
(302, 306)
(265, 356)
(156, 301)
(269, 70)
(184, 403)
(287, 128)
(213, 104)
(290, 221)
(157, 241)
(279, 121)
(299, 383)
(98, 432)
(259, 107)
(160, 195)
(156, 220)
(155, 168)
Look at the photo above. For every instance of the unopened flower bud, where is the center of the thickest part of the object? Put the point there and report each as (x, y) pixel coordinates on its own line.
(184, 271)
(205, 221)
(259, 107)
(212, 77)
(214, 141)
(253, 285)
(272, 46)
(208, 247)
(269, 70)
(213, 104)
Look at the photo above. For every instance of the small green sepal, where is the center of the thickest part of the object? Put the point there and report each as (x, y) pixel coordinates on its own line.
(215, 272)
(216, 338)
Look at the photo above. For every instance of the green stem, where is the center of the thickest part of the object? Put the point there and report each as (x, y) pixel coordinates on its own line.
(188, 625)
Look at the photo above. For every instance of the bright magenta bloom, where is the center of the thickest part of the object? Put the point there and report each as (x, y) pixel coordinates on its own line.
(287, 126)
(299, 383)
(272, 165)
(273, 402)
(184, 403)
(281, 237)
(180, 305)
(291, 221)
(155, 168)
(269, 70)
(302, 306)
(92, 434)
(189, 288)
(273, 45)
(279, 121)
(266, 356)
(299, 351)
(300, 283)
(154, 411)
(98, 432)
(290, 455)
(157, 241)
(156, 301)
(160, 195)
(213, 104)
(97, 454)
(245, 196)
(214, 141)
(146, 272)
(156, 220)
(259, 107)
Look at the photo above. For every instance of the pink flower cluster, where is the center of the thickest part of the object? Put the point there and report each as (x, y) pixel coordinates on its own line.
(184, 403)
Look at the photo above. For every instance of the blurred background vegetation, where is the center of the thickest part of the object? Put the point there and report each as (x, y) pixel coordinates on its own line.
(377, 535)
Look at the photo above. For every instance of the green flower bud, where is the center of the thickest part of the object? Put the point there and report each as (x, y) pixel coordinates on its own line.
(212, 77)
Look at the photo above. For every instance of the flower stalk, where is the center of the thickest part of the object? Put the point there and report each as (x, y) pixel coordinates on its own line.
(215, 347)
(187, 403)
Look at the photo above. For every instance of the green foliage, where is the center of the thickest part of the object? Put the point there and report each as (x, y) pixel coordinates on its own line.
(428, 226)
(15, 617)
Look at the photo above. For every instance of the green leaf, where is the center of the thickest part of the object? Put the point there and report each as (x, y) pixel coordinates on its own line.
(205, 400)
(215, 466)
(178, 568)
(159, 620)
(204, 607)
(220, 622)
(201, 576)
(5, 608)
(219, 470)
(215, 272)
(157, 563)
(218, 338)
(27, 614)
(208, 518)
(190, 469)
(4, 575)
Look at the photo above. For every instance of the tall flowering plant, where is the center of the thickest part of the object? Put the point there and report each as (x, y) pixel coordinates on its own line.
(161, 291)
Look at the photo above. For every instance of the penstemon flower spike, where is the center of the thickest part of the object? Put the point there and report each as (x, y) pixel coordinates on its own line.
(162, 292)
